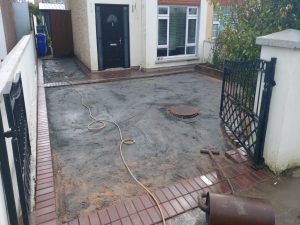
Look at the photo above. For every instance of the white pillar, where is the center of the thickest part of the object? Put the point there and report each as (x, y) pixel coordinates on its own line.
(149, 33)
(282, 143)
(205, 19)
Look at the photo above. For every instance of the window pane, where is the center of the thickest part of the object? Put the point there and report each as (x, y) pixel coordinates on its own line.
(190, 50)
(192, 11)
(215, 30)
(215, 16)
(162, 52)
(192, 31)
(162, 31)
(162, 11)
(177, 30)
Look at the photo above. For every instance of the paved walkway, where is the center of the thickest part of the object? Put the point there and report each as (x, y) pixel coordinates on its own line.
(58, 70)
(175, 199)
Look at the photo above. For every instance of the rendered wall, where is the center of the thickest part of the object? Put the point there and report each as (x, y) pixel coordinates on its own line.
(80, 26)
(22, 59)
(282, 144)
(3, 49)
(143, 26)
(150, 29)
(21, 18)
(8, 23)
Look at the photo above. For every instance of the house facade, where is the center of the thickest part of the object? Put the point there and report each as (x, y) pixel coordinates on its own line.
(140, 33)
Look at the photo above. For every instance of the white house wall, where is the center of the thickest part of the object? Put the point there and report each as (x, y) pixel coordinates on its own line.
(281, 149)
(150, 35)
(21, 18)
(205, 16)
(80, 28)
(8, 24)
(143, 28)
(3, 49)
(21, 59)
(282, 138)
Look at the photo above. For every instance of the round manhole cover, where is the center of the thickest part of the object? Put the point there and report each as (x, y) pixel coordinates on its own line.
(183, 111)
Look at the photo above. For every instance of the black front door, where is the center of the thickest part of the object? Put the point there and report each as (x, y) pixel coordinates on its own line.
(112, 36)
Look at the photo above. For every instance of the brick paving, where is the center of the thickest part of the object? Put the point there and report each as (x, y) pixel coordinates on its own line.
(118, 75)
(45, 205)
(177, 198)
(174, 199)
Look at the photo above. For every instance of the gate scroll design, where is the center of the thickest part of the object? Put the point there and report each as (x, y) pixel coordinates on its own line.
(245, 101)
(17, 122)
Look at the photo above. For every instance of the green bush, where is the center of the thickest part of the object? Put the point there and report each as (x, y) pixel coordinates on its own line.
(34, 10)
(248, 20)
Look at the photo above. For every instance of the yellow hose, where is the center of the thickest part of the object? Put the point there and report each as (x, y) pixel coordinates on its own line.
(101, 123)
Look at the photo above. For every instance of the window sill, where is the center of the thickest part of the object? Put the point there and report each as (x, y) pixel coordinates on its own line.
(177, 59)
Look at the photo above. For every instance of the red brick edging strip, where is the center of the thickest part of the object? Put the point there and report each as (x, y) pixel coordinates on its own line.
(122, 78)
(45, 205)
(175, 199)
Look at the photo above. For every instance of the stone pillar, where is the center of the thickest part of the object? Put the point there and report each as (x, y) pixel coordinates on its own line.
(282, 143)
(205, 25)
(150, 27)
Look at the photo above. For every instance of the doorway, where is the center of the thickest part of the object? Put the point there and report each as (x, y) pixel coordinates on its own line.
(112, 28)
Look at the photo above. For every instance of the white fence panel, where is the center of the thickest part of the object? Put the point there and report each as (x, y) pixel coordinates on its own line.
(22, 59)
(3, 212)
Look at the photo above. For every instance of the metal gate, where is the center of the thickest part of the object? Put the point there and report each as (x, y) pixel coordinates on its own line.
(17, 121)
(245, 100)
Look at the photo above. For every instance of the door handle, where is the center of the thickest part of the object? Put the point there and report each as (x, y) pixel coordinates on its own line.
(120, 41)
(113, 44)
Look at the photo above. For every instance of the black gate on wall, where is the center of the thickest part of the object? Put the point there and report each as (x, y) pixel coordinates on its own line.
(17, 121)
(245, 100)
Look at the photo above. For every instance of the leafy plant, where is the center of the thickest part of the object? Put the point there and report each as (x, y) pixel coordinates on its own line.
(248, 20)
(34, 10)
(48, 40)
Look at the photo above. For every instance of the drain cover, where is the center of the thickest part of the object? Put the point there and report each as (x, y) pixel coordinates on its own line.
(183, 111)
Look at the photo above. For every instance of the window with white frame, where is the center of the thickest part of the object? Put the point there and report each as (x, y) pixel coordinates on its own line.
(217, 28)
(177, 31)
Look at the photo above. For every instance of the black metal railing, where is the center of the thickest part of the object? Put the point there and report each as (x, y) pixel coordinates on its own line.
(246, 95)
(17, 122)
(7, 178)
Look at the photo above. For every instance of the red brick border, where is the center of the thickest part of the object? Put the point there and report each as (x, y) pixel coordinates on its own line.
(176, 199)
(104, 77)
(45, 204)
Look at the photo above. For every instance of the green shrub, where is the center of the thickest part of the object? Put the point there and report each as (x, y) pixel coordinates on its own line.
(248, 20)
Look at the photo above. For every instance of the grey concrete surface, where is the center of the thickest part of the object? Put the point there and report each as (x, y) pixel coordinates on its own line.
(57, 70)
(284, 195)
(89, 172)
(192, 217)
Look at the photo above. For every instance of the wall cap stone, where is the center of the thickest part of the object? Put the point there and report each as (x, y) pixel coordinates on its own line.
(289, 38)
